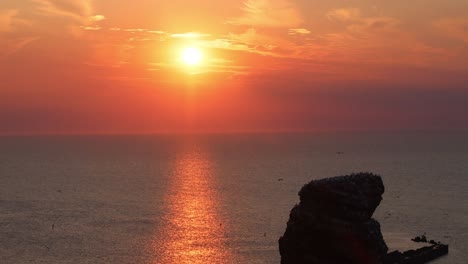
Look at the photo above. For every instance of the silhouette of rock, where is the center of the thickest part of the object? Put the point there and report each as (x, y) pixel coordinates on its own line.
(420, 239)
(418, 256)
(333, 224)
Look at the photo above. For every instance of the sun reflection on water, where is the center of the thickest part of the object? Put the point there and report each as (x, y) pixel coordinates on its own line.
(192, 230)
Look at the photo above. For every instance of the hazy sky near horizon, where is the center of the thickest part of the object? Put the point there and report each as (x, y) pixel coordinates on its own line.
(113, 65)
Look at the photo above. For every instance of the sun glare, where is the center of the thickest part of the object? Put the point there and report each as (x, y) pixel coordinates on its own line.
(191, 56)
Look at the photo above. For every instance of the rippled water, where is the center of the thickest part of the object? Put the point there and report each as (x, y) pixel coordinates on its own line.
(213, 198)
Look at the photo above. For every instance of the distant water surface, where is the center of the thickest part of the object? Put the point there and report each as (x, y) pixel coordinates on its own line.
(213, 198)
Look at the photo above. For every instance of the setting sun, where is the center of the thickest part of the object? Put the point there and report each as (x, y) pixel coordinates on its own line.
(191, 56)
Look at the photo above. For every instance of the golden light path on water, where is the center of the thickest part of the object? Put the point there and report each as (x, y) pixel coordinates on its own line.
(192, 231)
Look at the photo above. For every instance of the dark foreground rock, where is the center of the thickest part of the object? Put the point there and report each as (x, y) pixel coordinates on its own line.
(418, 256)
(333, 224)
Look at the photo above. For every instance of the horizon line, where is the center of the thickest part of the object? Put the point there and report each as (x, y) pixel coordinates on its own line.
(221, 132)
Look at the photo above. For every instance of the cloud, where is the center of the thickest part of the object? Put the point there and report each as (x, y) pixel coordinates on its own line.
(6, 19)
(269, 13)
(373, 24)
(10, 20)
(344, 14)
(358, 23)
(257, 42)
(190, 35)
(456, 28)
(97, 18)
(222, 50)
(365, 40)
(11, 38)
(79, 10)
(93, 28)
(226, 44)
(10, 46)
(299, 31)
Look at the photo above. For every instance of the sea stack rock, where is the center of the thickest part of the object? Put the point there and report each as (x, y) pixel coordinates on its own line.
(333, 223)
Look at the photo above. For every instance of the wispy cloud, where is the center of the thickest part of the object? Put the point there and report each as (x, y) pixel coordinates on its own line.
(358, 23)
(9, 20)
(79, 10)
(6, 19)
(344, 14)
(259, 43)
(369, 24)
(13, 45)
(225, 43)
(299, 31)
(97, 18)
(456, 28)
(94, 28)
(138, 30)
(212, 66)
(249, 41)
(11, 40)
(190, 35)
(269, 13)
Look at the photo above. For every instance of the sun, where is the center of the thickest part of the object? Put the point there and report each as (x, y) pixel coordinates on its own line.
(191, 56)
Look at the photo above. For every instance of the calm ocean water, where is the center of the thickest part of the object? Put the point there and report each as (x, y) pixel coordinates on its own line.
(213, 198)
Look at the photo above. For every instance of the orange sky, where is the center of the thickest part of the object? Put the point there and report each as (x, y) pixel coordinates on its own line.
(112, 66)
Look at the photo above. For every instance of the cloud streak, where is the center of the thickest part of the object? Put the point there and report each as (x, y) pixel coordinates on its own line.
(456, 28)
(78, 10)
(344, 14)
(10, 20)
(13, 45)
(6, 19)
(299, 31)
(269, 13)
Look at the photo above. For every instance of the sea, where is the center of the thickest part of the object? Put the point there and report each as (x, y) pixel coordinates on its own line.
(215, 198)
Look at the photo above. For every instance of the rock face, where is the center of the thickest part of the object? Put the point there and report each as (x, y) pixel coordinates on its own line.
(333, 223)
